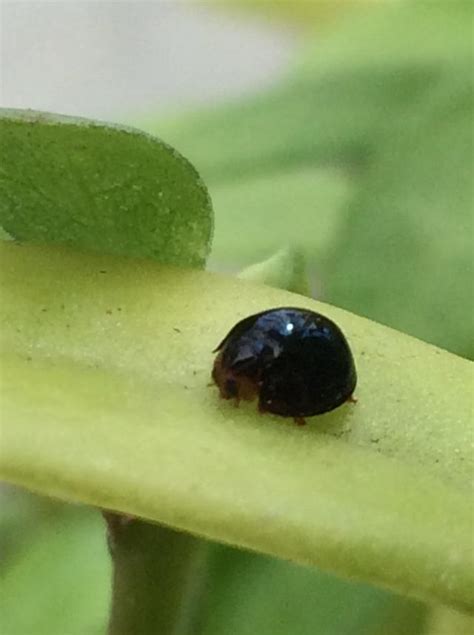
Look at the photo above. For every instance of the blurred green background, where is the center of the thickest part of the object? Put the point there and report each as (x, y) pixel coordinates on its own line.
(360, 155)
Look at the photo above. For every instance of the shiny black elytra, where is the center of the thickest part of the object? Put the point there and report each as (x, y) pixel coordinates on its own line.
(297, 362)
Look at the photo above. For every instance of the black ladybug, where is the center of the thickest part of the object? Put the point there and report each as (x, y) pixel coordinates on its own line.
(297, 362)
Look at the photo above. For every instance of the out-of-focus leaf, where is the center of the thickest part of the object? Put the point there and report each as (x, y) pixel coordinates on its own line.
(257, 217)
(59, 582)
(336, 120)
(405, 253)
(100, 186)
(255, 594)
(406, 34)
(285, 270)
(105, 399)
(368, 72)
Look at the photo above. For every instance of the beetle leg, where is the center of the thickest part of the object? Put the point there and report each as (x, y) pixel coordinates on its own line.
(299, 421)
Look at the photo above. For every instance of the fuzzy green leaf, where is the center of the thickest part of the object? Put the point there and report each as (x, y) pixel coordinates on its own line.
(102, 187)
(106, 364)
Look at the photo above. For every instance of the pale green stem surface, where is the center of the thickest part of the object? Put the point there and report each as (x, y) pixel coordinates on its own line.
(105, 399)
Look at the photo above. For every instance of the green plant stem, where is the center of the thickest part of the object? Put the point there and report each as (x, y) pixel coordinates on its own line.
(158, 578)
